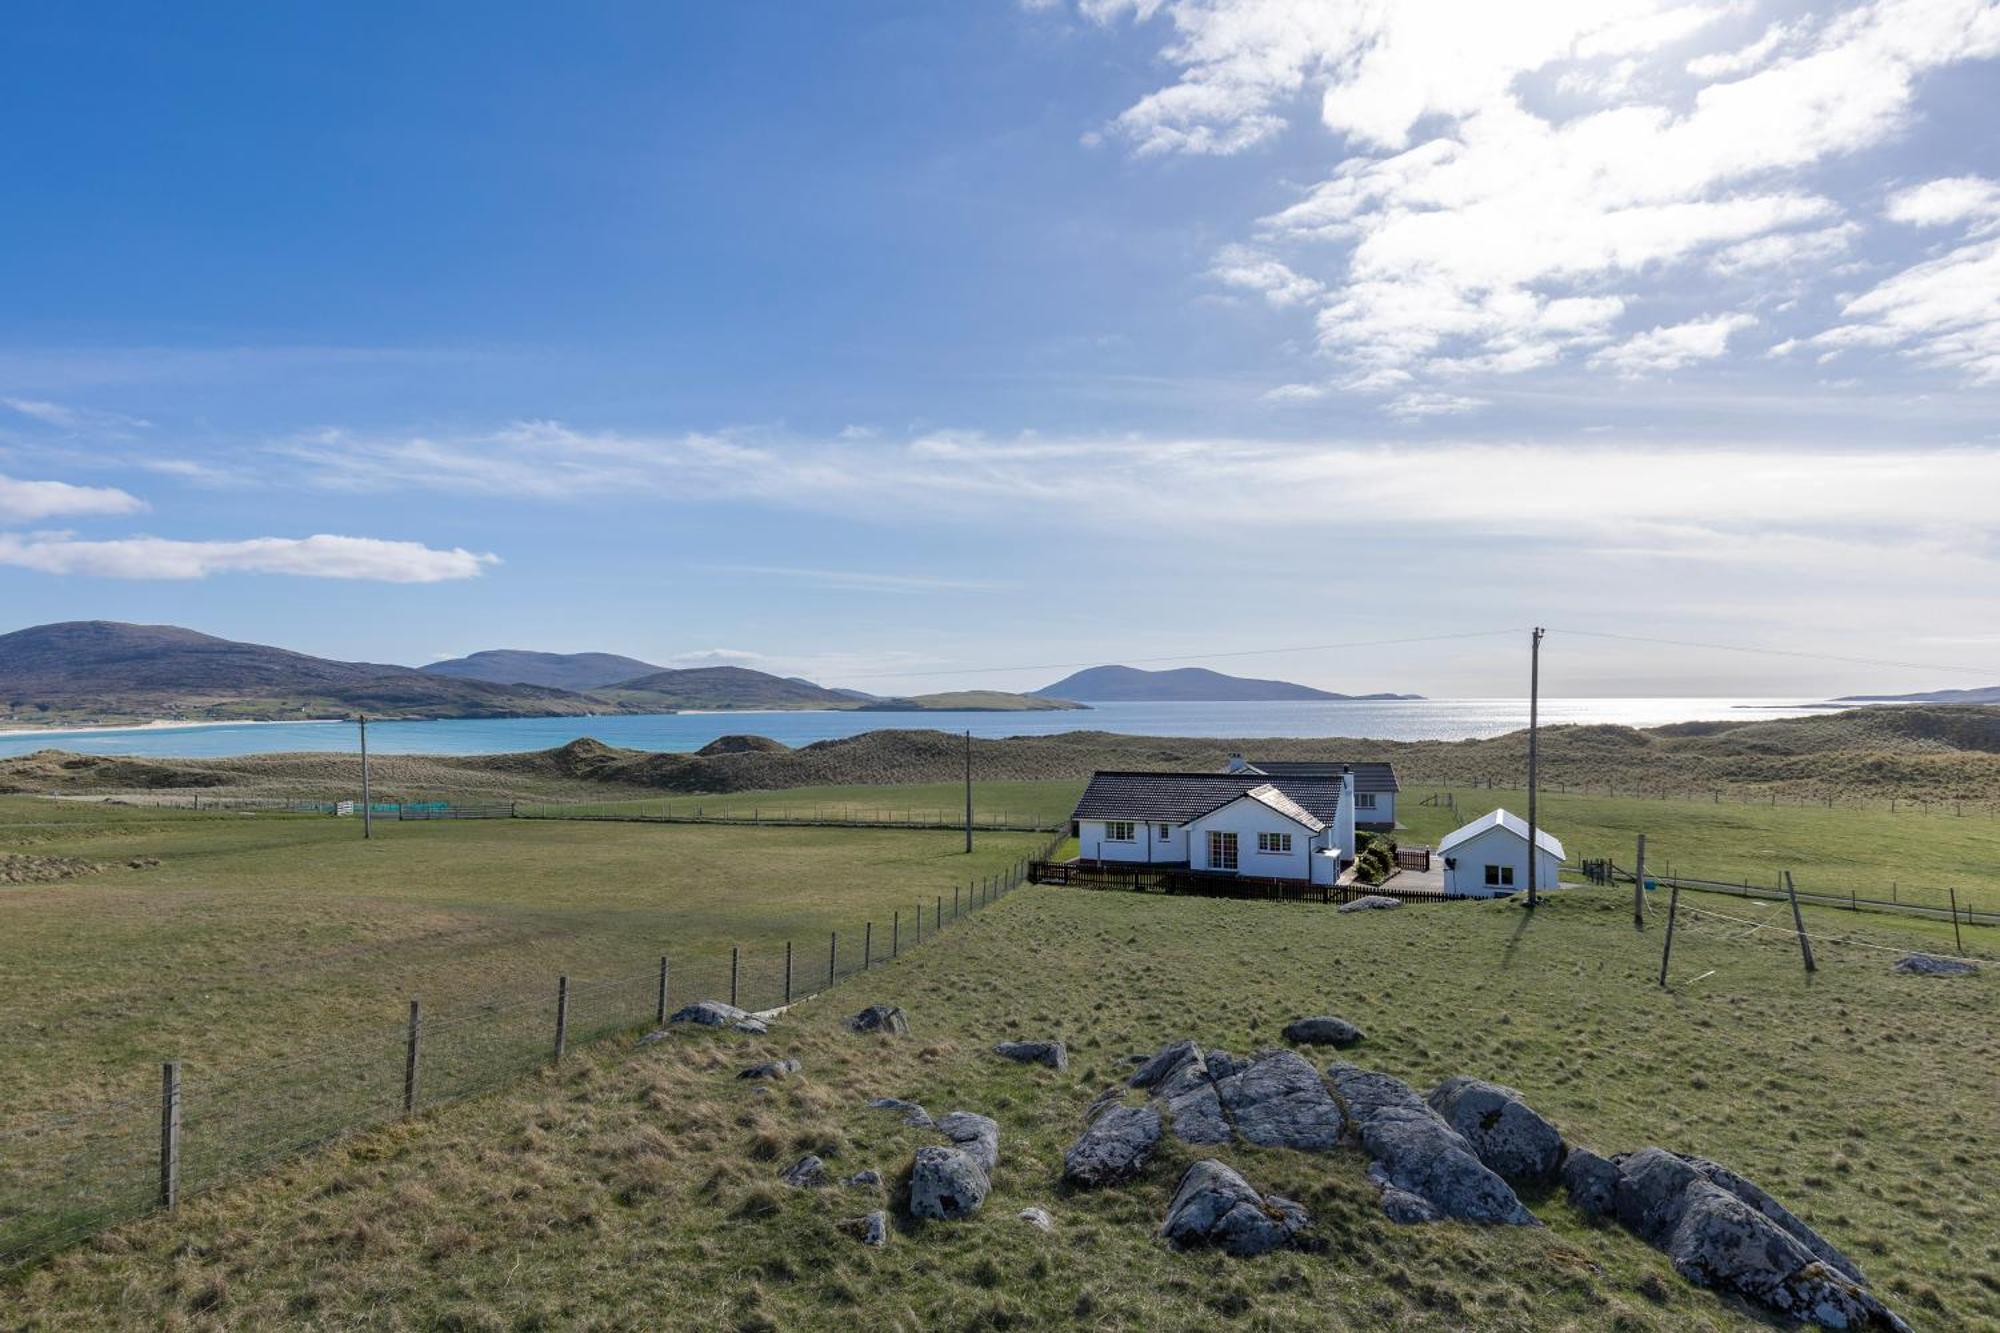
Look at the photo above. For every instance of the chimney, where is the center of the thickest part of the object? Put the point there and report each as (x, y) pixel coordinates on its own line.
(1236, 764)
(1343, 824)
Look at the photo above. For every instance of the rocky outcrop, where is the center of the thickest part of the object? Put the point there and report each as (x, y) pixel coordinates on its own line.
(1326, 1030)
(880, 1018)
(871, 1230)
(1116, 1146)
(977, 1136)
(808, 1173)
(1414, 1150)
(1506, 1134)
(716, 1014)
(1274, 1099)
(1591, 1183)
(1929, 965)
(1718, 1238)
(946, 1184)
(1214, 1206)
(911, 1113)
(1373, 902)
(1050, 1053)
(772, 1069)
(1038, 1218)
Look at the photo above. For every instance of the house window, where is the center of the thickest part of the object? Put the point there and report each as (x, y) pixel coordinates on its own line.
(1499, 877)
(1221, 851)
(1364, 800)
(1166, 831)
(1120, 830)
(1275, 842)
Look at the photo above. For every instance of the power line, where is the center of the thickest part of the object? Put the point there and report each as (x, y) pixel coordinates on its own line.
(1189, 657)
(1985, 671)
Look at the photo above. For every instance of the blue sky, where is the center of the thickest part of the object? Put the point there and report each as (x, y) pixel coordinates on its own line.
(914, 338)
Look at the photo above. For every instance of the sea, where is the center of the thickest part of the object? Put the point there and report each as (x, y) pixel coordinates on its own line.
(1376, 719)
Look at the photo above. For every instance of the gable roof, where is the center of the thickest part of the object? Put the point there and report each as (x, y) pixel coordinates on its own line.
(1270, 796)
(1176, 798)
(1505, 819)
(1370, 775)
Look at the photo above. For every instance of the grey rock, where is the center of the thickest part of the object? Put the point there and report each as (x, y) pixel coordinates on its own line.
(1161, 1067)
(709, 1014)
(1520, 1146)
(976, 1135)
(1278, 1101)
(872, 1230)
(1927, 965)
(1746, 1190)
(752, 1026)
(946, 1184)
(912, 1113)
(1050, 1053)
(1116, 1147)
(657, 1034)
(1037, 1218)
(1326, 1030)
(808, 1173)
(880, 1018)
(1214, 1206)
(1406, 1209)
(1196, 1115)
(1591, 1182)
(1719, 1240)
(772, 1069)
(1415, 1150)
(1221, 1064)
(864, 1179)
(1373, 902)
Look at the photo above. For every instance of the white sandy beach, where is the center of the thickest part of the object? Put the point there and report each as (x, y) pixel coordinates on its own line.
(163, 725)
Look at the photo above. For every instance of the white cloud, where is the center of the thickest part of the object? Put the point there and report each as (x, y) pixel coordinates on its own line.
(321, 556)
(1673, 346)
(30, 501)
(1295, 393)
(1429, 403)
(66, 417)
(714, 657)
(1719, 64)
(1242, 266)
(1944, 312)
(850, 580)
(1973, 199)
(1786, 249)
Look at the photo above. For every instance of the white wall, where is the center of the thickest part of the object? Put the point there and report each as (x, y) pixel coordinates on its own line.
(1384, 812)
(1148, 844)
(1246, 819)
(1496, 846)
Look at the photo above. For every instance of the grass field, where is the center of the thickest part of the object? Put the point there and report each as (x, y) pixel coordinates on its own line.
(1015, 803)
(636, 1187)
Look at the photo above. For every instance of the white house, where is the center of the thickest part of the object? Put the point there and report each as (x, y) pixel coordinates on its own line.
(1488, 858)
(1375, 784)
(1219, 823)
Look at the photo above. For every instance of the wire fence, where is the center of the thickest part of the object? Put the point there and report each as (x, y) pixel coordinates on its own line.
(68, 1174)
(1961, 807)
(1927, 902)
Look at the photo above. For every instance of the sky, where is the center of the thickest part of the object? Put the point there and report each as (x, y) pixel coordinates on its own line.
(911, 346)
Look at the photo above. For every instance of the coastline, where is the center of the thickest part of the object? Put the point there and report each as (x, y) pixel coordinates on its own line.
(162, 724)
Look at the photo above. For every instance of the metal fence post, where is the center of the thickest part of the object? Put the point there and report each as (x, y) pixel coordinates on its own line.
(170, 1133)
(788, 971)
(410, 1058)
(660, 1015)
(734, 956)
(562, 1016)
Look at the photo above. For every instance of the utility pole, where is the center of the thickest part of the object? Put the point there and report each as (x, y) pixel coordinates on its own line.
(367, 805)
(968, 791)
(1534, 717)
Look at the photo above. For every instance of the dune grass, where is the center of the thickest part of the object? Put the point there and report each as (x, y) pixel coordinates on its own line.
(636, 1187)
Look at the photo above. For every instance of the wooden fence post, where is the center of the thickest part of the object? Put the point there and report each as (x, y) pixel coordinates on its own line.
(1639, 886)
(735, 954)
(1957, 939)
(832, 956)
(920, 921)
(896, 935)
(562, 1016)
(937, 913)
(170, 1134)
(410, 1058)
(1799, 923)
(1673, 911)
(955, 912)
(788, 972)
(660, 1016)
(867, 946)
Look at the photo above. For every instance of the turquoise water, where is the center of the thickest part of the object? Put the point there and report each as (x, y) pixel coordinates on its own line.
(1397, 719)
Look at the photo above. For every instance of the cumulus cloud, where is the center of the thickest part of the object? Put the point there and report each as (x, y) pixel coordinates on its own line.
(321, 556)
(1673, 346)
(31, 501)
(1944, 312)
(1972, 199)
(1471, 229)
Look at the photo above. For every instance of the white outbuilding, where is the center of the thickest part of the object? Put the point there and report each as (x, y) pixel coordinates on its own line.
(1488, 858)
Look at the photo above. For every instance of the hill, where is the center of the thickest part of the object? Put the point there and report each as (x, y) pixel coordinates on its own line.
(1989, 694)
(1123, 684)
(562, 671)
(723, 688)
(105, 671)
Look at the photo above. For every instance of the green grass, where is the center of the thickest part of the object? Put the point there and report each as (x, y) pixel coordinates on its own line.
(1014, 803)
(635, 1187)
(1915, 856)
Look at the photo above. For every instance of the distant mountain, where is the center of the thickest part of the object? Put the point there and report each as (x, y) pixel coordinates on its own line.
(1989, 694)
(969, 701)
(104, 671)
(723, 687)
(561, 671)
(1123, 684)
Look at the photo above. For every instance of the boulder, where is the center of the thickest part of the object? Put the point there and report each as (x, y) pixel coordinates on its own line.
(872, 1230)
(912, 1113)
(1414, 1150)
(1326, 1030)
(1719, 1240)
(1520, 1146)
(808, 1173)
(1214, 1206)
(880, 1018)
(1406, 1209)
(752, 1026)
(1196, 1115)
(709, 1014)
(1928, 965)
(1373, 902)
(1278, 1101)
(975, 1135)
(1116, 1147)
(864, 1179)
(1749, 1192)
(1050, 1053)
(1591, 1182)
(1171, 1060)
(1038, 1218)
(772, 1069)
(946, 1184)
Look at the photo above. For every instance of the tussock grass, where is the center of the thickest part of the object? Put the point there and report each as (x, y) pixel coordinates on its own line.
(636, 1187)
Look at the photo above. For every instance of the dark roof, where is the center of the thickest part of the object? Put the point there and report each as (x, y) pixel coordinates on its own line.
(1175, 798)
(1369, 775)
